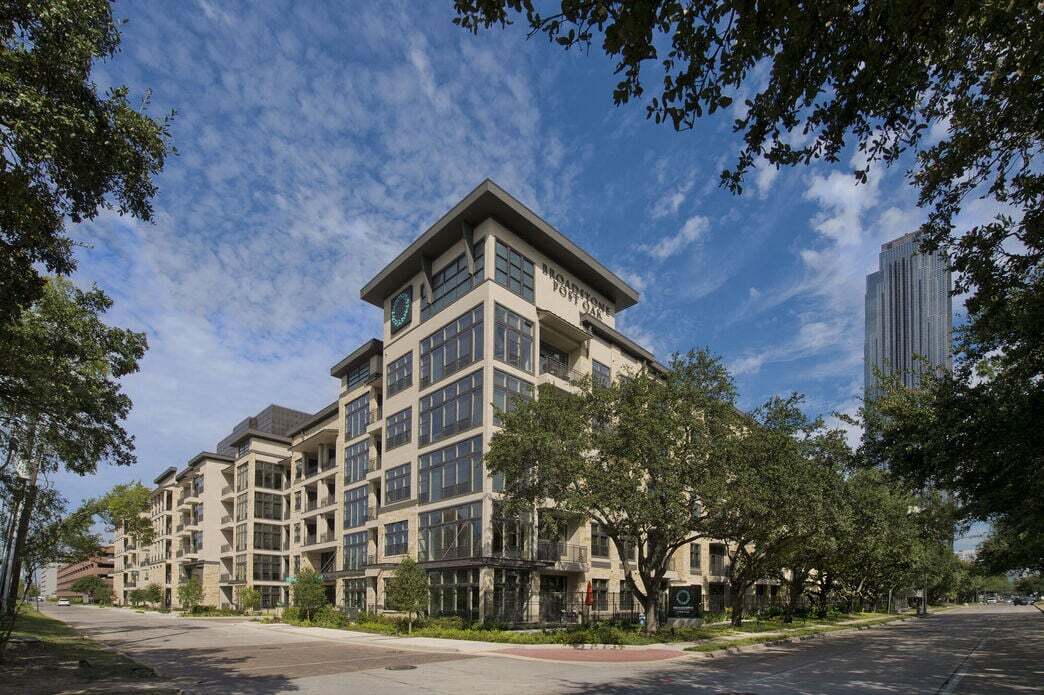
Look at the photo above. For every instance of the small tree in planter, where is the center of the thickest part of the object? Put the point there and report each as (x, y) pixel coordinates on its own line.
(153, 594)
(408, 590)
(249, 599)
(190, 595)
(309, 593)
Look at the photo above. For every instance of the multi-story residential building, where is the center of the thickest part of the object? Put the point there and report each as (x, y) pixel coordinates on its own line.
(100, 565)
(137, 568)
(908, 314)
(197, 541)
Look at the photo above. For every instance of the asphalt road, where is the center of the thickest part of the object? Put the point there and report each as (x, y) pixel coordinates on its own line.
(980, 650)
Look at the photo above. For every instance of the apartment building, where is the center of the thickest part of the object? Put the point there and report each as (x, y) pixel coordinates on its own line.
(100, 565)
(136, 569)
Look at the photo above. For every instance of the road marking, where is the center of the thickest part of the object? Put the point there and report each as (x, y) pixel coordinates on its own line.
(951, 683)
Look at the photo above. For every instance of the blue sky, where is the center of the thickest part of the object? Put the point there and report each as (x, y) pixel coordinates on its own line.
(315, 141)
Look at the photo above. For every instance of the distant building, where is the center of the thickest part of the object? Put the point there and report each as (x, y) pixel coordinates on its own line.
(908, 314)
(100, 566)
(47, 580)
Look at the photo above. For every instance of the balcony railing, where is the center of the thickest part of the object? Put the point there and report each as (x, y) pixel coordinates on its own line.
(719, 567)
(549, 365)
(311, 506)
(450, 429)
(227, 519)
(557, 551)
(328, 465)
(373, 465)
(328, 537)
(375, 414)
(226, 491)
(226, 548)
(397, 440)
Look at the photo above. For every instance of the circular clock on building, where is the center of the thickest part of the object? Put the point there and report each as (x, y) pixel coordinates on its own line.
(400, 309)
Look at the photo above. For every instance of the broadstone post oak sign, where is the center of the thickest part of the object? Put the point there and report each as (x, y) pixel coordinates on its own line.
(578, 295)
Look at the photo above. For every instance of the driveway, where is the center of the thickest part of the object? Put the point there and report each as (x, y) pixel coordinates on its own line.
(985, 650)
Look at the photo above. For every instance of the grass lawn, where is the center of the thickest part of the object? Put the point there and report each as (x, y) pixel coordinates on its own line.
(795, 629)
(47, 656)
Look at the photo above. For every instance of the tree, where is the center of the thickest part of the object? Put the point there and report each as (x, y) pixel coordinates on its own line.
(952, 89)
(153, 593)
(126, 507)
(190, 594)
(1030, 584)
(249, 598)
(309, 593)
(69, 152)
(63, 406)
(89, 585)
(633, 456)
(137, 596)
(407, 591)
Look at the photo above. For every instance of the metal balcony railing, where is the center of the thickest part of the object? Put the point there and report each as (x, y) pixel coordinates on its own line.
(549, 365)
(226, 548)
(373, 465)
(227, 490)
(328, 537)
(557, 551)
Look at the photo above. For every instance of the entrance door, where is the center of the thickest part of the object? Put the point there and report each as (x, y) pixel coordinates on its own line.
(552, 598)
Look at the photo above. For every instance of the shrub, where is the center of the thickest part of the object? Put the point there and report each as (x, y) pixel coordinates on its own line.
(249, 598)
(329, 616)
(291, 615)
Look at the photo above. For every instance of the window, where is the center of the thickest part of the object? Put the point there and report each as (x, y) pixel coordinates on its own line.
(269, 475)
(600, 374)
(514, 271)
(355, 593)
(268, 537)
(241, 537)
(600, 588)
(268, 506)
(242, 510)
(452, 282)
(358, 375)
(397, 484)
(398, 428)
(506, 390)
(355, 546)
(271, 596)
(197, 486)
(694, 557)
(243, 449)
(400, 374)
(356, 417)
(451, 348)
(626, 596)
(451, 471)
(451, 409)
(241, 567)
(454, 592)
(396, 538)
(356, 460)
(451, 533)
(513, 339)
(355, 501)
(242, 477)
(599, 541)
(268, 568)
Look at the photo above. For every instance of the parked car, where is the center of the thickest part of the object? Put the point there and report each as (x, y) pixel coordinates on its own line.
(63, 602)
(991, 599)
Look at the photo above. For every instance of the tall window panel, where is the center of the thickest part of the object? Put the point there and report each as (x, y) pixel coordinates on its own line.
(601, 375)
(356, 460)
(355, 593)
(399, 374)
(397, 484)
(241, 537)
(514, 271)
(599, 541)
(242, 509)
(358, 375)
(450, 471)
(507, 390)
(513, 339)
(396, 538)
(356, 417)
(398, 428)
(242, 477)
(451, 282)
(451, 409)
(268, 537)
(454, 532)
(355, 547)
(269, 475)
(451, 348)
(268, 568)
(268, 506)
(355, 501)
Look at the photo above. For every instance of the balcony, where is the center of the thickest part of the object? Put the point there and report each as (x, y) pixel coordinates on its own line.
(719, 567)
(226, 520)
(566, 556)
(227, 491)
(226, 549)
(373, 465)
(549, 365)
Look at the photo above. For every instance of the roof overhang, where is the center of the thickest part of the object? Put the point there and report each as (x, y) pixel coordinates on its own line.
(617, 338)
(486, 201)
(165, 474)
(557, 324)
(371, 347)
(199, 458)
(327, 435)
(258, 434)
(326, 413)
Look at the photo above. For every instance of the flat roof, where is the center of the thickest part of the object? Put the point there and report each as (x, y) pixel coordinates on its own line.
(246, 434)
(371, 347)
(201, 456)
(490, 200)
(170, 470)
(324, 414)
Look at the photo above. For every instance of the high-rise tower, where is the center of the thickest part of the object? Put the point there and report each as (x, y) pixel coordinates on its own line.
(907, 314)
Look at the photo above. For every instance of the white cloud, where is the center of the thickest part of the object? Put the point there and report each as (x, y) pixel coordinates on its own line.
(691, 231)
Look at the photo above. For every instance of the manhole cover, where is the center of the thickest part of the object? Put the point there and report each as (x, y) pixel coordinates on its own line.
(400, 667)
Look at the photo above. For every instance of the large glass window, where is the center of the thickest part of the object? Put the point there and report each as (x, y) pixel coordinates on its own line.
(450, 471)
(451, 282)
(397, 484)
(695, 558)
(355, 501)
(514, 271)
(355, 546)
(355, 593)
(268, 506)
(241, 537)
(396, 538)
(600, 374)
(600, 589)
(507, 390)
(454, 592)
(356, 417)
(268, 537)
(269, 475)
(400, 374)
(358, 375)
(268, 568)
(513, 339)
(454, 532)
(242, 510)
(451, 348)
(242, 477)
(271, 596)
(599, 541)
(451, 409)
(356, 458)
(398, 428)
(241, 566)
